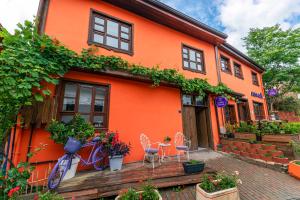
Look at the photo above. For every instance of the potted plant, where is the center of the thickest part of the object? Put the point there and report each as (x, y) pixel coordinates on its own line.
(269, 147)
(167, 139)
(294, 168)
(281, 159)
(117, 150)
(266, 157)
(149, 192)
(258, 134)
(218, 186)
(72, 135)
(193, 166)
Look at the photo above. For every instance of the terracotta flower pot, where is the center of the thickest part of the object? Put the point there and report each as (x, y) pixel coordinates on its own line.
(262, 151)
(294, 169)
(269, 147)
(256, 146)
(245, 154)
(281, 160)
(266, 158)
(254, 156)
(252, 151)
(232, 194)
(236, 152)
(276, 153)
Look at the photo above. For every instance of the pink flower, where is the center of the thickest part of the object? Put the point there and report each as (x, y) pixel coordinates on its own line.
(13, 190)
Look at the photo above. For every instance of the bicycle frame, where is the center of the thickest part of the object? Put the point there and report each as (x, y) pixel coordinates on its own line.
(89, 161)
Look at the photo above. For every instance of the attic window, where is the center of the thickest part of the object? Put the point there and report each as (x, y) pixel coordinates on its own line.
(110, 33)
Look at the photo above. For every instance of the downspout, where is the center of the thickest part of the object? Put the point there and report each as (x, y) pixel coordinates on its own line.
(219, 81)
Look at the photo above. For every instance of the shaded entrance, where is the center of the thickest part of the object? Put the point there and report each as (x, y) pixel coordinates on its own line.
(243, 110)
(196, 121)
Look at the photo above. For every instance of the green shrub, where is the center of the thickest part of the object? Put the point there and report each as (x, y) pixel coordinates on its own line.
(50, 196)
(131, 194)
(221, 181)
(149, 192)
(246, 128)
(77, 128)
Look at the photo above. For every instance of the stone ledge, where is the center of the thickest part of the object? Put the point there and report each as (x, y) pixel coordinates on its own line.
(270, 165)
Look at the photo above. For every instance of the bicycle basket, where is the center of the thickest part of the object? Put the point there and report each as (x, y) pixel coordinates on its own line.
(72, 145)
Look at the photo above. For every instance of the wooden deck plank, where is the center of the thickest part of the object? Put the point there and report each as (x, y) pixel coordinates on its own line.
(89, 185)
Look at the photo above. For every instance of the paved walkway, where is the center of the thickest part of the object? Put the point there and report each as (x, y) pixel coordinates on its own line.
(258, 183)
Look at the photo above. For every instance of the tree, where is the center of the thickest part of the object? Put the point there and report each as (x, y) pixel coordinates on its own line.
(278, 51)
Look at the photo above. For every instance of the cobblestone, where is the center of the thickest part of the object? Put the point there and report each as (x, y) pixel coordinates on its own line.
(258, 183)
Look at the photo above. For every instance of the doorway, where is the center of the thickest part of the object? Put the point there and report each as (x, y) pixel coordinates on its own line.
(243, 111)
(196, 121)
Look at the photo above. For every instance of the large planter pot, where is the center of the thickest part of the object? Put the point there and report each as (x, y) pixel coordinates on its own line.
(232, 194)
(280, 138)
(72, 171)
(190, 168)
(115, 162)
(72, 145)
(245, 136)
(294, 169)
(159, 196)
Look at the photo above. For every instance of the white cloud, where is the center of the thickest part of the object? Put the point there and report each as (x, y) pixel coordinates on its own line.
(15, 11)
(239, 16)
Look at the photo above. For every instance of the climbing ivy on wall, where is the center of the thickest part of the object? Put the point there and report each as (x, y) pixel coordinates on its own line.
(28, 59)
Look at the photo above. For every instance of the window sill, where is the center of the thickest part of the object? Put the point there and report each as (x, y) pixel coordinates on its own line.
(227, 72)
(194, 70)
(110, 48)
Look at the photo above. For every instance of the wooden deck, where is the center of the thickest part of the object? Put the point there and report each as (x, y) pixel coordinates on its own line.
(93, 184)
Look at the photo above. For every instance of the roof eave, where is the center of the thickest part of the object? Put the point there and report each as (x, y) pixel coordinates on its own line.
(229, 48)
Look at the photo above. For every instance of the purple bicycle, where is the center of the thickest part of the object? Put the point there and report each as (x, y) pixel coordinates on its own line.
(97, 157)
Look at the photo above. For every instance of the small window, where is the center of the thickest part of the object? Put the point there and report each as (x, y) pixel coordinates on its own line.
(110, 33)
(258, 111)
(192, 59)
(254, 78)
(225, 64)
(187, 99)
(90, 101)
(238, 70)
(230, 116)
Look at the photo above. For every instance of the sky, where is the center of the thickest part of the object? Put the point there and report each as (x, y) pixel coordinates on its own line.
(233, 17)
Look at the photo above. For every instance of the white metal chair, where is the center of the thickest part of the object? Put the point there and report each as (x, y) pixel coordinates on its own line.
(182, 145)
(149, 150)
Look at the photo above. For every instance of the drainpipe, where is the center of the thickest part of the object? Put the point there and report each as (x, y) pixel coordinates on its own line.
(6, 155)
(219, 81)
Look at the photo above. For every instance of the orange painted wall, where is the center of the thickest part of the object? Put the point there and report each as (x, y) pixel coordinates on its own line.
(145, 109)
(244, 86)
(154, 44)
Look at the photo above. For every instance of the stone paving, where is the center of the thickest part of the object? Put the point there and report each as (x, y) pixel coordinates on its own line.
(258, 183)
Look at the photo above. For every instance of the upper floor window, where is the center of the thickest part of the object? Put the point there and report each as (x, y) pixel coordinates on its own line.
(225, 64)
(110, 33)
(90, 101)
(192, 59)
(238, 70)
(254, 78)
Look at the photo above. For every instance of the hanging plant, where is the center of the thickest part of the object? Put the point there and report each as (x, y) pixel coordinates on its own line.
(28, 59)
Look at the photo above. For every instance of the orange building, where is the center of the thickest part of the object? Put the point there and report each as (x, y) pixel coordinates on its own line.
(149, 33)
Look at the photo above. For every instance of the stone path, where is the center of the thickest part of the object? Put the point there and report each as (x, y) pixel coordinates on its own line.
(258, 183)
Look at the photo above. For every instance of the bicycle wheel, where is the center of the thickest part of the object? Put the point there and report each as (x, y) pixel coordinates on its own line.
(99, 159)
(59, 171)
